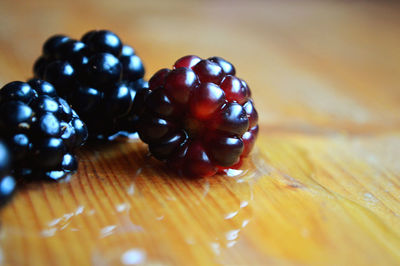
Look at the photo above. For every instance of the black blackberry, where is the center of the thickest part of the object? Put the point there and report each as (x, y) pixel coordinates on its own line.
(99, 76)
(7, 182)
(40, 128)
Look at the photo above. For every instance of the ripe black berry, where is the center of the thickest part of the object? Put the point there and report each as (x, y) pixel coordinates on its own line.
(103, 41)
(52, 44)
(99, 76)
(199, 117)
(40, 129)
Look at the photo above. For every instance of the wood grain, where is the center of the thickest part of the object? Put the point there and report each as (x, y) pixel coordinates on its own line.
(322, 186)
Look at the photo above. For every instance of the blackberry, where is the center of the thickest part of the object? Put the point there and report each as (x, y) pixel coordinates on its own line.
(7, 181)
(41, 130)
(198, 117)
(99, 76)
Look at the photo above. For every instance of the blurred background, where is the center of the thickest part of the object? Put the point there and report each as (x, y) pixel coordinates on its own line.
(324, 187)
(316, 65)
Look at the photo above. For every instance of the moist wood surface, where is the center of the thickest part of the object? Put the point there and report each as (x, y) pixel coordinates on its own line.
(322, 186)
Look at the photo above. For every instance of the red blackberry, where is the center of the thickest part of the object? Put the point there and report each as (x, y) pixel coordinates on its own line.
(7, 182)
(98, 75)
(41, 129)
(198, 117)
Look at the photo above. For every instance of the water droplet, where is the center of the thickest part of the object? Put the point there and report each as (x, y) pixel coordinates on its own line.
(244, 204)
(123, 207)
(133, 257)
(131, 188)
(79, 210)
(48, 232)
(215, 248)
(232, 235)
(108, 230)
(54, 222)
(235, 172)
(368, 197)
(231, 215)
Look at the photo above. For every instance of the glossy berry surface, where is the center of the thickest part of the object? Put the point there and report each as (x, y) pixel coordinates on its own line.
(198, 117)
(99, 76)
(40, 129)
(7, 182)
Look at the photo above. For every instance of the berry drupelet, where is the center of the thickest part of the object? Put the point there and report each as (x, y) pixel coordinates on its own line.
(7, 182)
(99, 76)
(40, 129)
(198, 117)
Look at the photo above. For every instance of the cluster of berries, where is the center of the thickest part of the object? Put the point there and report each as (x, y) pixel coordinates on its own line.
(198, 117)
(98, 75)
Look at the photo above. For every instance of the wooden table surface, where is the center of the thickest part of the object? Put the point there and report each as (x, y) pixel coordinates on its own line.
(322, 186)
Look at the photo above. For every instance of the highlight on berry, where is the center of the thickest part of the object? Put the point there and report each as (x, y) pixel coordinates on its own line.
(7, 181)
(198, 117)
